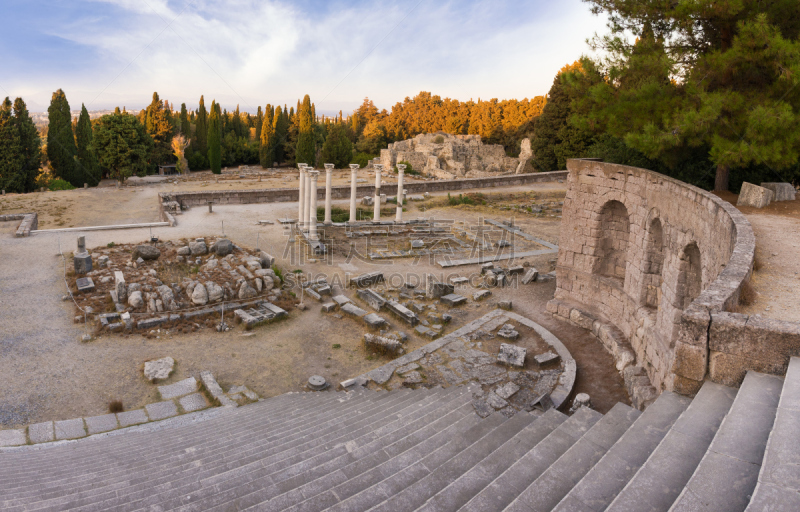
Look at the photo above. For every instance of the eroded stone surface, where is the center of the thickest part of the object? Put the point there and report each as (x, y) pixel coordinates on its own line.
(511, 355)
(193, 402)
(180, 388)
(104, 423)
(70, 429)
(129, 418)
(161, 410)
(159, 369)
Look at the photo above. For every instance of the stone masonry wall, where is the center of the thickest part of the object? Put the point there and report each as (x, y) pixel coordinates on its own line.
(343, 192)
(645, 261)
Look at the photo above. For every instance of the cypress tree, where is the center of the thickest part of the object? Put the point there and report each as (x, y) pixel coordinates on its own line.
(280, 125)
(10, 150)
(305, 151)
(267, 137)
(61, 148)
(338, 149)
(30, 145)
(201, 129)
(258, 122)
(86, 165)
(116, 111)
(159, 127)
(215, 139)
(185, 127)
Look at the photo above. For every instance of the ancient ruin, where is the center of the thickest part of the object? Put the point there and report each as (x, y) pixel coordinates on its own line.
(446, 156)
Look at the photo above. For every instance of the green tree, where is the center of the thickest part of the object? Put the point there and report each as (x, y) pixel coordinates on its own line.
(200, 142)
(215, 138)
(86, 162)
(30, 146)
(337, 149)
(123, 146)
(259, 122)
(61, 148)
(186, 129)
(268, 139)
(11, 160)
(281, 127)
(159, 126)
(306, 150)
(733, 70)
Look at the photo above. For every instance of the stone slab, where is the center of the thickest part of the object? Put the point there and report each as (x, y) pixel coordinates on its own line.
(70, 429)
(180, 388)
(511, 355)
(341, 300)
(42, 432)
(482, 294)
(104, 423)
(453, 299)
(193, 402)
(84, 284)
(353, 310)
(755, 196)
(530, 276)
(161, 410)
(13, 437)
(159, 369)
(781, 191)
(328, 307)
(211, 385)
(128, 418)
(374, 320)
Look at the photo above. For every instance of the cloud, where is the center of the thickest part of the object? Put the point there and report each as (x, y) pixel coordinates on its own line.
(253, 52)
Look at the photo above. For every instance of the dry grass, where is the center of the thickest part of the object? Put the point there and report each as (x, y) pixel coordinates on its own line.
(758, 261)
(747, 295)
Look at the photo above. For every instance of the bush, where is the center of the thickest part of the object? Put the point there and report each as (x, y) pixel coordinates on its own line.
(409, 168)
(278, 272)
(439, 139)
(59, 184)
(362, 159)
(197, 162)
(461, 199)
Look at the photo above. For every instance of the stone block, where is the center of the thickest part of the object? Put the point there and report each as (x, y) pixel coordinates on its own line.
(104, 423)
(383, 344)
(755, 196)
(215, 390)
(459, 281)
(193, 402)
(507, 390)
(161, 410)
(582, 319)
(340, 300)
(70, 429)
(374, 320)
(505, 304)
(329, 307)
(690, 361)
(453, 299)
(353, 310)
(84, 284)
(82, 262)
(366, 280)
(530, 276)
(145, 252)
(781, 191)
(547, 358)
(511, 355)
(128, 418)
(159, 369)
(519, 269)
(402, 312)
(42, 432)
(13, 437)
(371, 297)
(435, 289)
(480, 295)
(180, 388)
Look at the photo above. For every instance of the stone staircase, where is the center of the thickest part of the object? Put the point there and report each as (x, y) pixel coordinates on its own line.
(724, 450)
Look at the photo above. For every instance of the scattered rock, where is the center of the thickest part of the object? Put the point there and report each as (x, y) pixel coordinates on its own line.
(222, 247)
(246, 291)
(159, 369)
(200, 295)
(145, 252)
(135, 299)
(198, 247)
(511, 355)
(215, 291)
(508, 332)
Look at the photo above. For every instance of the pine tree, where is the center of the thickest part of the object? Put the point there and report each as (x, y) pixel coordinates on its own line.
(305, 151)
(159, 127)
(267, 138)
(185, 126)
(30, 145)
(11, 160)
(122, 146)
(61, 148)
(338, 149)
(215, 138)
(201, 130)
(86, 163)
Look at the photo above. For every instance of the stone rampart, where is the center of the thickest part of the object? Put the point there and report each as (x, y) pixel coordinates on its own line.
(651, 265)
(277, 195)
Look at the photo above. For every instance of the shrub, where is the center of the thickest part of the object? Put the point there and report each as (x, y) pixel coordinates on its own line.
(337, 345)
(409, 168)
(461, 199)
(439, 139)
(110, 244)
(198, 162)
(115, 406)
(59, 184)
(278, 272)
(362, 159)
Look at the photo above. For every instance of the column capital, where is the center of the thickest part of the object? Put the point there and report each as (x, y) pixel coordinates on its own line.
(354, 167)
(329, 167)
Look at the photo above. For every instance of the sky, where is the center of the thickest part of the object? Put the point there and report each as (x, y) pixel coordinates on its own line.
(107, 53)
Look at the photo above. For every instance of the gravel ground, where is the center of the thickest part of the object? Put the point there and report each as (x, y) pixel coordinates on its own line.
(50, 375)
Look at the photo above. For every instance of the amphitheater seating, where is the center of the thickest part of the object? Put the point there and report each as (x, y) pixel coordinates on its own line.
(725, 450)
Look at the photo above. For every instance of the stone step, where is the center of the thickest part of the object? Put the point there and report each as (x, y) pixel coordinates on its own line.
(397, 478)
(416, 494)
(778, 485)
(401, 454)
(521, 473)
(552, 485)
(659, 482)
(189, 478)
(119, 446)
(598, 488)
(728, 473)
(482, 474)
(268, 481)
(225, 447)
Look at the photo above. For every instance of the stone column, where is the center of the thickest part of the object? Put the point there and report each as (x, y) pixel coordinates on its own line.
(400, 170)
(301, 197)
(307, 204)
(376, 215)
(312, 220)
(328, 178)
(353, 190)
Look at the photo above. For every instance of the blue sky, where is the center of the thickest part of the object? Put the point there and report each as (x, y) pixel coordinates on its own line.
(106, 53)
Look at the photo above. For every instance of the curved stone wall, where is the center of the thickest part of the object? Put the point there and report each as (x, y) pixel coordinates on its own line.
(644, 262)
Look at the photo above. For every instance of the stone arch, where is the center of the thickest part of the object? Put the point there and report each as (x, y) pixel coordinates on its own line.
(690, 276)
(653, 264)
(612, 250)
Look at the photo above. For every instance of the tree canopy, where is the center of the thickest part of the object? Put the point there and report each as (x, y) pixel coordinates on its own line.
(215, 138)
(61, 150)
(86, 161)
(122, 145)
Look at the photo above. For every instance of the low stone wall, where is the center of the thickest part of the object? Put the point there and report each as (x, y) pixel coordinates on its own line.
(30, 222)
(278, 195)
(648, 263)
